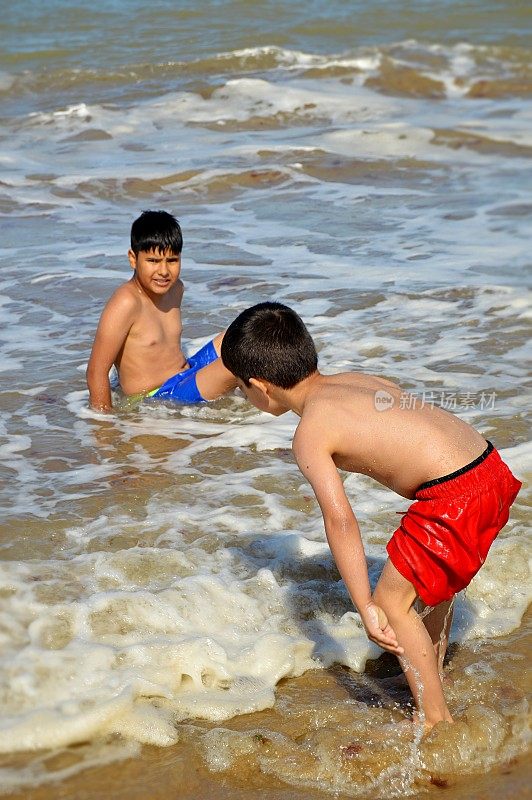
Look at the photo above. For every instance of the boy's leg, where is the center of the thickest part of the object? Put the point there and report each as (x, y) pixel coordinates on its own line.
(214, 379)
(217, 342)
(438, 620)
(396, 596)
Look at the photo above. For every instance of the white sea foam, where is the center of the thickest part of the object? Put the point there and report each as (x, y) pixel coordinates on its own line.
(14, 445)
(207, 633)
(296, 59)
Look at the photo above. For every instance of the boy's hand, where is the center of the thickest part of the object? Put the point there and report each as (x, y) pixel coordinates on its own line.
(379, 629)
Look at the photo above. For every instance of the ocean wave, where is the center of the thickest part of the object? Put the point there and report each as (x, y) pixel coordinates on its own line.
(409, 68)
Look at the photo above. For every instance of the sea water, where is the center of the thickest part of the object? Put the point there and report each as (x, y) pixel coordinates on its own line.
(164, 566)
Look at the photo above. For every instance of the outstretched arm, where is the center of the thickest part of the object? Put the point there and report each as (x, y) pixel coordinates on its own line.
(113, 328)
(343, 535)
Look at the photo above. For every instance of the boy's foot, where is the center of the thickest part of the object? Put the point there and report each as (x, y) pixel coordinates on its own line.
(413, 725)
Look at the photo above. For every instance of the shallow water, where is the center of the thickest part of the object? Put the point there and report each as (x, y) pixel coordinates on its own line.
(165, 581)
(330, 733)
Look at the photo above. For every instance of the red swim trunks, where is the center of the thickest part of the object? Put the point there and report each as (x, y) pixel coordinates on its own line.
(445, 535)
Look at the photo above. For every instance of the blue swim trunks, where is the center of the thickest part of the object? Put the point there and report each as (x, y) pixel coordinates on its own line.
(182, 388)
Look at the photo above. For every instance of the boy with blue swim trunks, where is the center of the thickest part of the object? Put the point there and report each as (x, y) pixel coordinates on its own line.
(140, 327)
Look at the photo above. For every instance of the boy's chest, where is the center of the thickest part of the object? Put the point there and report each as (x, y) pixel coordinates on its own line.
(154, 328)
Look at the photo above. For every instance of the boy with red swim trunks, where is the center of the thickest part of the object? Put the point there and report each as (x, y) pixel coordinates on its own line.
(461, 489)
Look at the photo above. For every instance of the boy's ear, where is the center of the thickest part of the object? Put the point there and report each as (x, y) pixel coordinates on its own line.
(260, 384)
(132, 258)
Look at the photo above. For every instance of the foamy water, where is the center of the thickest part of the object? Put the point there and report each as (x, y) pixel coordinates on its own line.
(162, 564)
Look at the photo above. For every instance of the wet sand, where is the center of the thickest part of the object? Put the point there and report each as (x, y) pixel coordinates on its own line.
(334, 731)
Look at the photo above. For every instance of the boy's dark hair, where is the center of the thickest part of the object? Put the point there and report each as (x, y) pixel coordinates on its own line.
(156, 230)
(269, 341)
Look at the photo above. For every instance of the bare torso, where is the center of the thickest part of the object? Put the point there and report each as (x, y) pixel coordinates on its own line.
(399, 446)
(152, 350)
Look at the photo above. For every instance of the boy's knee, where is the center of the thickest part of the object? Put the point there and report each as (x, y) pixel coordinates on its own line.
(217, 341)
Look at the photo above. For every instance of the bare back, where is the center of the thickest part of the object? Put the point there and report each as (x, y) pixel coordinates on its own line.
(399, 446)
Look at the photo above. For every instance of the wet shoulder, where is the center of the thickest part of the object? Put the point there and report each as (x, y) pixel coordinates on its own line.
(346, 401)
(124, 302)
(127, 294)
(356, 384)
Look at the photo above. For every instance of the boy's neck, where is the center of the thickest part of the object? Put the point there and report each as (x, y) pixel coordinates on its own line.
(296, 397)
(157, 300)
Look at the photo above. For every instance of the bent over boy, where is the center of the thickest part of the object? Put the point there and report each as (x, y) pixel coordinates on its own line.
(462, 490)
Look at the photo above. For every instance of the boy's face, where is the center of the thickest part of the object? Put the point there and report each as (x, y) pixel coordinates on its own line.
(156, 271)
(259, 395)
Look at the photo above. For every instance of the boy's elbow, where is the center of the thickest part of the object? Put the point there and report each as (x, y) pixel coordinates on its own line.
(338, 524)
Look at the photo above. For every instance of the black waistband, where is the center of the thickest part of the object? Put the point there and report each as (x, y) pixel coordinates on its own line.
(458, 472)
